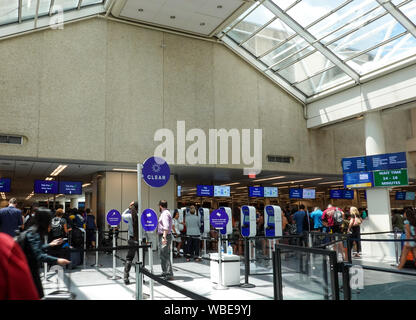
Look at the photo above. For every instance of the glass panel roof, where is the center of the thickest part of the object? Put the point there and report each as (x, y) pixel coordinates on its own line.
(14, 20)
(338, 37)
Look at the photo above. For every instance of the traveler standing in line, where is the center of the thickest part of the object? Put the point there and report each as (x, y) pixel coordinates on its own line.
(176, 232)
(193, 233)
(316, 215)
(58, 227)
(16, 281)
(164, 229)
(299, 218)
(409, 226)
(354, 228)
(131, 216)
(91, 228)
(31, 242)
(11, 218)
(29, 218)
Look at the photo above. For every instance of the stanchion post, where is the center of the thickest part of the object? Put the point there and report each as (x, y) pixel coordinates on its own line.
(325, 276)
(45, 265)
(151, 270)
(247, 264)
(346, 282)
(349, 248)
(139, 282)
(277, 275)
(114, 277)
(139, 207)
(85, 248)
(96, 247)
(219, 285)
(396, 247)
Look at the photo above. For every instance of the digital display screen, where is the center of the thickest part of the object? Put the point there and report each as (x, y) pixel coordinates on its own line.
(270, 220)
(204, 191)
(246, 219)
(256, 192)
(221, 191)
(308, 194)
(410, 196)
(5, 184)
(46, 187)
(70, 187)
(270, 192)
(179, 191)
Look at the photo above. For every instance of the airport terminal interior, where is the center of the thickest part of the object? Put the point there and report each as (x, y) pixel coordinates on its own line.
(280, 133)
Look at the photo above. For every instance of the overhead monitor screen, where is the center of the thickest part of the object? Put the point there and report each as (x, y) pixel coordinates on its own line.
(410, 196)
(308, 193)
(5, 184)
(270, 192)
(46, 187)
(221, 191)
(270, 219)
(70, 187)
(204, 191)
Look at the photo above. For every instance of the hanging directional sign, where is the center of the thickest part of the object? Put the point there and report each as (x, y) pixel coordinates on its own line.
(388, 178)
(156, 172)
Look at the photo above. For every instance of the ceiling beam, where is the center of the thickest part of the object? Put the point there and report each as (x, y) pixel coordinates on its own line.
(295, 26)
(399, 16)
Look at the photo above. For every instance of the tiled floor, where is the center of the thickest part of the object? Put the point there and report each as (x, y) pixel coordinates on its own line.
(96, 284)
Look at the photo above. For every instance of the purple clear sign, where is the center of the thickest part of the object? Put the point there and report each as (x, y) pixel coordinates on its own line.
(156, 172)
(149, 220)
(218, 219)
(113, 218)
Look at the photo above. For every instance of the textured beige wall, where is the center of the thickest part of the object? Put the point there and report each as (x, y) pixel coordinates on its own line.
(98, 91)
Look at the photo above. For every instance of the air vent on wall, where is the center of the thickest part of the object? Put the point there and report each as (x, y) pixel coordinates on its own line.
(281, 159)
(11, 139)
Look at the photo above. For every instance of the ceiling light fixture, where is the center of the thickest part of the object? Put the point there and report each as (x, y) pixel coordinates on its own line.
(230, 184)
(125, 170)
(272, 178)
(86, 185)
(296, 181)
(329, 182)
(58, 170)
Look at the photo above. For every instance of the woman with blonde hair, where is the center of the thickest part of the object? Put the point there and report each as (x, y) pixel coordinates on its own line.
(354, 229)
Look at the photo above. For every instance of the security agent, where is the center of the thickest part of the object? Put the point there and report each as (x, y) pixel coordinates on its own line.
(131, 216)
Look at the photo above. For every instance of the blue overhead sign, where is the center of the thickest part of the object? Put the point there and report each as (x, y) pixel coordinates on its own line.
(295, 193)
(388, 161)
(255, 192)
(341, 194)
(204, 191)
(400, 195)
(354, 164)
(358, 180)
(5, 184)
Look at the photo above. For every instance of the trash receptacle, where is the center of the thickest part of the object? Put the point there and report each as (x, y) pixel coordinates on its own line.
(230, 269)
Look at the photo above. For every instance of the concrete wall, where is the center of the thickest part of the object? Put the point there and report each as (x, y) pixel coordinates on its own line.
(99, 90)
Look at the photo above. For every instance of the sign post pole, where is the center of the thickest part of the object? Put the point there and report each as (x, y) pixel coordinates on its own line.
(139, 207)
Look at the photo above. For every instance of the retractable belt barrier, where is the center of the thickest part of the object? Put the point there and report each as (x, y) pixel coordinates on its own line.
(140, 270)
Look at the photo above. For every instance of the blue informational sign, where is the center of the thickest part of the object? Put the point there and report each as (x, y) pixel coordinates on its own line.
(204, 191)
(388, 161)
(218, 219)
(68, 187)
(349, 194)
(255, 192)
(295, 193)
(341, 194)
(354, 164)
(149, 220)
(113, 218)
(400, 195)
(46, 187)
(156, 172)
(358, 180)
(5, 184)
(336, 194)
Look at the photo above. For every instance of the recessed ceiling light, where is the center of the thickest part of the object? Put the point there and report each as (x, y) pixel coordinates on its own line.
(172, 17)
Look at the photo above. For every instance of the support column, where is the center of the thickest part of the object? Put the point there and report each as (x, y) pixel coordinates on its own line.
(74, 203)
(378, 199)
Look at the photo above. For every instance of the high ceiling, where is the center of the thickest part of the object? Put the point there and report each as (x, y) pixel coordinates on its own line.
(311, 48)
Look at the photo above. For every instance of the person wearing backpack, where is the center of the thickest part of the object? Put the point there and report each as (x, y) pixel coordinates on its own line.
(31, 242)
(91, 228)
(58, 227)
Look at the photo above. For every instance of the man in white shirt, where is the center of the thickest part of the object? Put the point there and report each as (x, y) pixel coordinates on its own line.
(164, 228)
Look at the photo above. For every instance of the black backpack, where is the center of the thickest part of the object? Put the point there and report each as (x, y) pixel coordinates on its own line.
(57, 228)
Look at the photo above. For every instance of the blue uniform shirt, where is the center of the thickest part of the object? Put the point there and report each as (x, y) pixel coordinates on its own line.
(299, 217)
(317, 219)
(10, 220)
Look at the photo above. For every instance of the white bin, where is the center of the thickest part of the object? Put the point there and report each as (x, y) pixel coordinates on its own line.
(230, 270)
